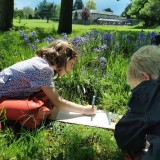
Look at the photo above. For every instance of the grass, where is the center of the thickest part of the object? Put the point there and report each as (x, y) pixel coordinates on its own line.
(76, 28)
(90, 76)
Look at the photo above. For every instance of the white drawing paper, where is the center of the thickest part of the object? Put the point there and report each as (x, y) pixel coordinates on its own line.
(102, 118)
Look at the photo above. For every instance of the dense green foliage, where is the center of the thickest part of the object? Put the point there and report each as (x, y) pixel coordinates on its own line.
(91, 4)
(146, 10)
(78, 4)
(45, 10)
(100, 71)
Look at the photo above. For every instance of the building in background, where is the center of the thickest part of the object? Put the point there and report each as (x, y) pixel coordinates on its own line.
(101, 17)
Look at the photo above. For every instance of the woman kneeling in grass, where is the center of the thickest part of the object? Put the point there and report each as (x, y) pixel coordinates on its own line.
(27, 90)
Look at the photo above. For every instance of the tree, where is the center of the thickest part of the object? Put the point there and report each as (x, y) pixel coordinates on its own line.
(108, 10)
(57, 11)
(125, 12)
(65, 21)
(75, 15)
(45, 10)
(78, 4)
(136, 7)
(18, 14)
(6, 14)
(146, 10)
(28, 12)
(91, 4)
(151, 12)
(85, 14)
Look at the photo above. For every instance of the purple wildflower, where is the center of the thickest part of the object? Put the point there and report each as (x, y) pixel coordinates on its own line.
(103, 65)
(97, 50)
(49, 39)
(95, 70)
(65, 37)
(103, 47)
(33, 46)
(36, 41)
(103, 60)
(33, 33)
(26, 38)
(77, 40)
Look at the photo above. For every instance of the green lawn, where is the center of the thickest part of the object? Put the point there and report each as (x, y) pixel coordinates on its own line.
(76, 28)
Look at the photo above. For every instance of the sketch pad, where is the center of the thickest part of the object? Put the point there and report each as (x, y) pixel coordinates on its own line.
(101, 119)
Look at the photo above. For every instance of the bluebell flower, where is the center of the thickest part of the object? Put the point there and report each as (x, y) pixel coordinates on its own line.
(63, 34)
(33, 46)
(65, 37)
(49, 39)
(33, 33)
(109, 37)
(21, 33)
(103, 47)
(141, 35)
(103, 60)
(103, 65)
(97, 50)
(95, 70)
(104, 37)
(36, 41)
(128, 40)
(152, 34)
(25, 35)
(76, 40)
(26, 38)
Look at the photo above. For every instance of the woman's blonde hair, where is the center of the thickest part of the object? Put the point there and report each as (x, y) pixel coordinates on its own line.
(58, 53)
(144, 60)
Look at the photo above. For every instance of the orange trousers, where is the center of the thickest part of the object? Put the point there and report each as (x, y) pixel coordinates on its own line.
(29, 112)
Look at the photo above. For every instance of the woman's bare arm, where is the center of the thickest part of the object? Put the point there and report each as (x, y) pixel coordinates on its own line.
(63, 104)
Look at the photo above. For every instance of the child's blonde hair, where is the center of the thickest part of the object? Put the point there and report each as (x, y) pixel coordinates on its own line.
(144, 60)
(58, 53)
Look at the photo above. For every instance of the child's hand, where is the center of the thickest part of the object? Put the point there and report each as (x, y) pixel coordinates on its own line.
(90, 110)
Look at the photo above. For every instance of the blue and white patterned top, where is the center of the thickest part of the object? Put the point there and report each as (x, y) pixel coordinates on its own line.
(24, 78)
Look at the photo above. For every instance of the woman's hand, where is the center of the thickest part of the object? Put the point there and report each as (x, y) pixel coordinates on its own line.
(90, 110)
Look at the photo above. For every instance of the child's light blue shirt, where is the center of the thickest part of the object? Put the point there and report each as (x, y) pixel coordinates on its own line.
(24, 78)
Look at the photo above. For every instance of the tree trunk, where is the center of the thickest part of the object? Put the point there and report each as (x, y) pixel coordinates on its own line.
(6, 14)
(65, 21)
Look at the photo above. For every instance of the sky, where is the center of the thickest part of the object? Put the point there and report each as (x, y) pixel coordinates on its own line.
(116, 6)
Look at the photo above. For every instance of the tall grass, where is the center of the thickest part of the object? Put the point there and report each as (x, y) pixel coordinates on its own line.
(104, 52)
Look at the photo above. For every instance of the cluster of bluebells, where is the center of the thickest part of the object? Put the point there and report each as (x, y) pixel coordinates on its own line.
(49, 39)
(106, 43)
(108, 38)
(143, 39)
(101, 48)
(102, 41)
(96, 41)
(102, 63)
(30, 40)
(77, 41)
(65, 36)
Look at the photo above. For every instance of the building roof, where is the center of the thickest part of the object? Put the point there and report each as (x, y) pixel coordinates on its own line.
(97, 12)
(103, 12)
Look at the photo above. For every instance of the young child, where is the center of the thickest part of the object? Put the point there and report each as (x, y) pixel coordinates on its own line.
(27, 91)
(138, 132)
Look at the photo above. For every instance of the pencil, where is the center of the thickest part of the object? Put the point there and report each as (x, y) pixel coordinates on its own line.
(93, 102)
